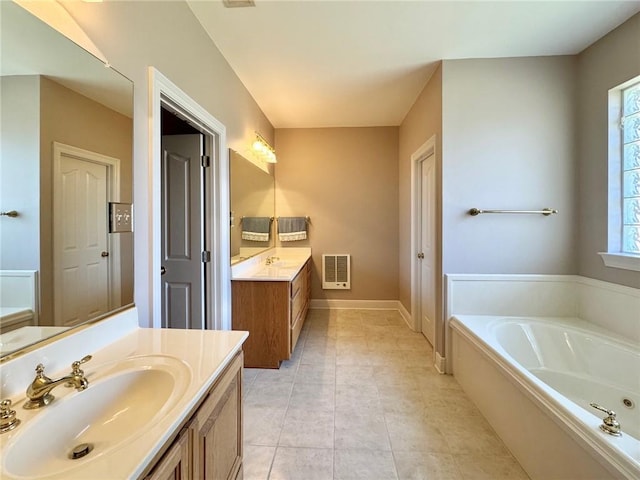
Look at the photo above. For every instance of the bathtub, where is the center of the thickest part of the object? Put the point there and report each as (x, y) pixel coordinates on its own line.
(533, 379)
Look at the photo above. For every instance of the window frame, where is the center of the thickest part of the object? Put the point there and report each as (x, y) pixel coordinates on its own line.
(614, 256)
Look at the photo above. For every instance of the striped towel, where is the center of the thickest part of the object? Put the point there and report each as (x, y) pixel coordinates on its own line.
(256, 229)
(292, 228)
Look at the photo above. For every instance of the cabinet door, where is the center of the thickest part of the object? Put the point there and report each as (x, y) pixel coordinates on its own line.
(175, 462)
(217, 428)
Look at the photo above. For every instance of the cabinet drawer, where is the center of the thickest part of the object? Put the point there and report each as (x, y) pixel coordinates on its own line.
(296, 328)
(297, 304)
(299, 283)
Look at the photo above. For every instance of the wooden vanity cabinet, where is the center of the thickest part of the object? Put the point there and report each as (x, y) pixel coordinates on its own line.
(209, 446)
(273, 312)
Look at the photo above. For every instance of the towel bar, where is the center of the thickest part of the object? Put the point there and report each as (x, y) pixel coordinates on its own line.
(308, 219)
(545, 211)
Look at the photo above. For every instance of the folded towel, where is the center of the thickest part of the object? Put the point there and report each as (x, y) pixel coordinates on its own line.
(292, 228)
(256, 229)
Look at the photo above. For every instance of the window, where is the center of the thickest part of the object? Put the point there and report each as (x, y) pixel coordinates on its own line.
(624, 177)
(630, 123)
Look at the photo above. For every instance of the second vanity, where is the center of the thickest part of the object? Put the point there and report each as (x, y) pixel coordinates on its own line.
(160, 404)
(270, 299)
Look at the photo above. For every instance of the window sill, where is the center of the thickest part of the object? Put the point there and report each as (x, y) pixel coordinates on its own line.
(625, 261)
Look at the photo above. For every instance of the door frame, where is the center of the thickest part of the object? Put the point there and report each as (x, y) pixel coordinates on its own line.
(113, 195)
(165, 92)
(423, 152)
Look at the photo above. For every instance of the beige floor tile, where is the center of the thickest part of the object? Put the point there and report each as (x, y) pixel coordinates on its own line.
(314, 354)
(402, 400)
(350, 331)
(351, 464)
(302, 464)
(269, 394)
(426, 466)
(361, 432)
(413, 433)
(285, 374)
(313, 396)
(256, 462)
(318, 373)
(470, 434)
(355, 375)
(304, 427)
(353, 357)
(358, 399)
(262, 425)
(490, 467)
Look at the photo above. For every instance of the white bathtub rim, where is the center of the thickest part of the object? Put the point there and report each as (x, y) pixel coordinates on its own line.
(583, 426)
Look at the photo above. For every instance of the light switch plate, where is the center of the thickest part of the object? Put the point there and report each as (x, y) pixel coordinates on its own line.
(120, 217)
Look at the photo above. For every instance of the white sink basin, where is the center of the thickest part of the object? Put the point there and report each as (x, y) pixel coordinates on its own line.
(123, 401)
(285, 263)
(274, 272)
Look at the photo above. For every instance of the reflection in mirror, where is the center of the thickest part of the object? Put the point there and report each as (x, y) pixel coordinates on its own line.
(65, 168)
(252, 196)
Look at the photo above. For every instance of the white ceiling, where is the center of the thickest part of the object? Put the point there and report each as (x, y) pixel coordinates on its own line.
(363, 63)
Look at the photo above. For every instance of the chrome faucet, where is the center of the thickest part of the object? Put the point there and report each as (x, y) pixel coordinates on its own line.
(270, 260)
(609, 424)
(39, 392)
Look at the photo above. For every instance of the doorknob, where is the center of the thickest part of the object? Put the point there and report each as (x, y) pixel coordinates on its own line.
(104, 254)
(421, 255)
(163, 270)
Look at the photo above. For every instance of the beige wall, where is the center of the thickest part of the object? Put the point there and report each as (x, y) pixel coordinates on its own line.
(422, 122)
(72, 119)
(612, 60)
(346, 180)
(166, 35)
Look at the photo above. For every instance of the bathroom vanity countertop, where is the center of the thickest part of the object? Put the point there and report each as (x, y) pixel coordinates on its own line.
(290, 262)
(203, 355)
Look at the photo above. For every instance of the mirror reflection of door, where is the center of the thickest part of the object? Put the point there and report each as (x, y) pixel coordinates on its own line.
(182, 235)
(82, 184)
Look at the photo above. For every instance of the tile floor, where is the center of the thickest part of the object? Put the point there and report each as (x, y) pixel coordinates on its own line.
(360, 399)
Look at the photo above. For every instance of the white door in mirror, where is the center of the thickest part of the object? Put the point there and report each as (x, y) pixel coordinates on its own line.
(80, 233)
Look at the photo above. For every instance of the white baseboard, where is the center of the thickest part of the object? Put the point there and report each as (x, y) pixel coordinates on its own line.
(361, 304)
(366, 305)
(406, 316)
(440, 363)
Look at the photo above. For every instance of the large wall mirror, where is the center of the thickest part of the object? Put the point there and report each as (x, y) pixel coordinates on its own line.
(252, 198)
(66, 246)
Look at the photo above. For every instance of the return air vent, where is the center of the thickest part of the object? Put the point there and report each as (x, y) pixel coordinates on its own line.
(336, 272)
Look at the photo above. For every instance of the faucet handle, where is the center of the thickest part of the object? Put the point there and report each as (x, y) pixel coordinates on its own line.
(609, 424)
(39, 370)
(8, 420)
(75, 366)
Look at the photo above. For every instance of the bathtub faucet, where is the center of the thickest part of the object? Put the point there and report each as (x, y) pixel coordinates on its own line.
(609, 424)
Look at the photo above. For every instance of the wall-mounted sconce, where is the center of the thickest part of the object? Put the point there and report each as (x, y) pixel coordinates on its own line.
(263, 150)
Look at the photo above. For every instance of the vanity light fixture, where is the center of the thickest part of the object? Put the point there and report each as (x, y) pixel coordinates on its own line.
(263, 150)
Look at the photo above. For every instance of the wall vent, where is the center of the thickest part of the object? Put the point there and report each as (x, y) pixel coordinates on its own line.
(336, 272)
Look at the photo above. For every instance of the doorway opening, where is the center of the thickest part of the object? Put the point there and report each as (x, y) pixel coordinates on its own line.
(190, 211)
(185, 263)
(424, 252)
